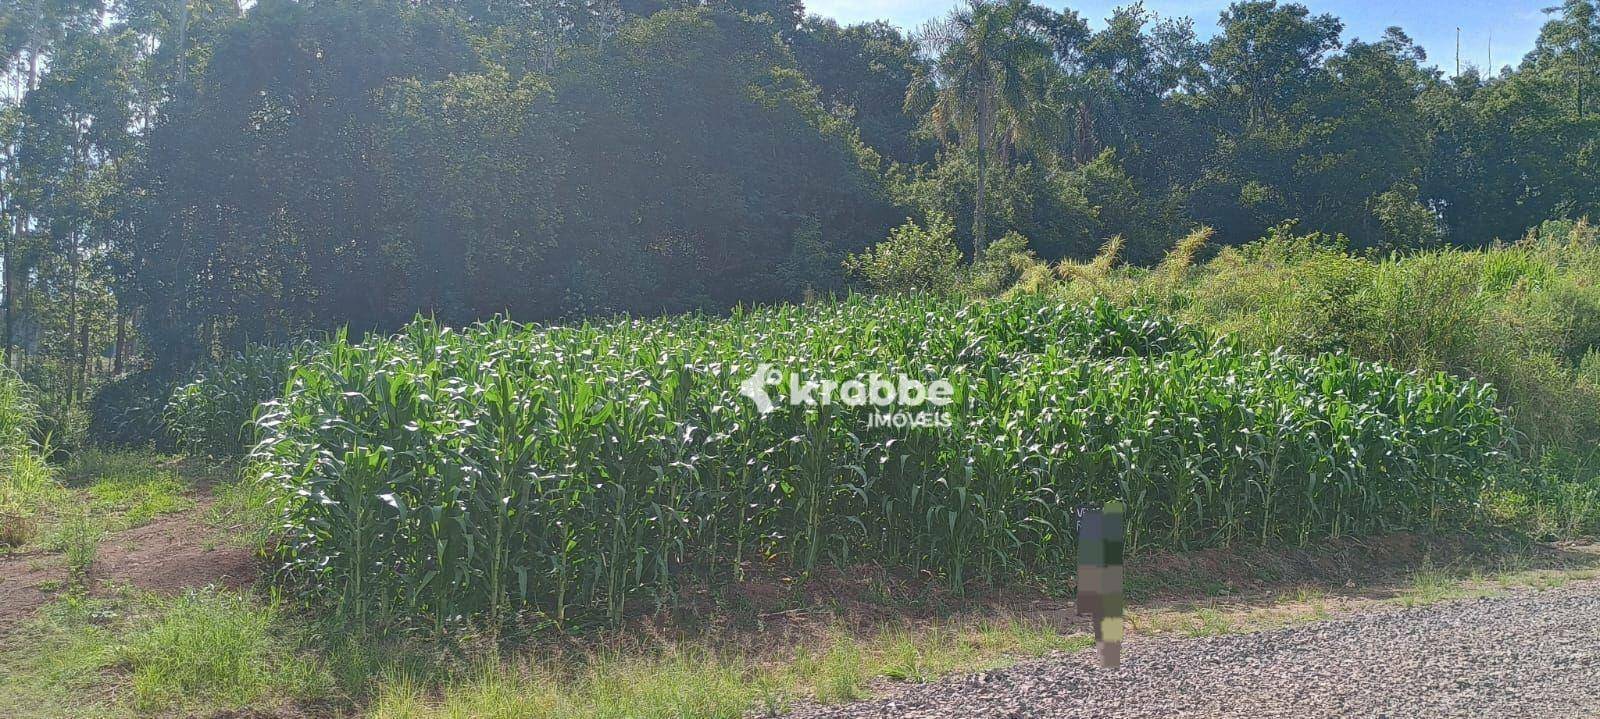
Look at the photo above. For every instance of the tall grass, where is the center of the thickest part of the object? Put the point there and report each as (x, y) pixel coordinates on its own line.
(19, 414)
(214, 649)
(568, 473)
(1521, 316)
(27, 485)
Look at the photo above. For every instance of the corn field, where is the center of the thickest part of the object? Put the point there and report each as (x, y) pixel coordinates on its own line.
(442, 475)
(214, 413)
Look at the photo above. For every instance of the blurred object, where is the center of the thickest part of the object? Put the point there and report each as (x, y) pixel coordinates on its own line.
(1100, 578)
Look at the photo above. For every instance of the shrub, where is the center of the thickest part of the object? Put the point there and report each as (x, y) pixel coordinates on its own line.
(913, 259)
(440, 475)
(1000, 266)
(1300, 292)
(130, 412)
(1557, 495)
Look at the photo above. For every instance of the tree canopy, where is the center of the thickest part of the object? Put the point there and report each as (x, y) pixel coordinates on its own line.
(192, 175)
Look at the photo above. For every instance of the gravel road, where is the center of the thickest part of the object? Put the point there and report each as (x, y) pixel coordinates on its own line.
(1533, 654)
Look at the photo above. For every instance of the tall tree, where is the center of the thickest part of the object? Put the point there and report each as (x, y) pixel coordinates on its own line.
(76, 123)
(992, 67)
(863, 72)
(29, 33)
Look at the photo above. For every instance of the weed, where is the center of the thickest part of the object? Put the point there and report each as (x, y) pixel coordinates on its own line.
(215, 649)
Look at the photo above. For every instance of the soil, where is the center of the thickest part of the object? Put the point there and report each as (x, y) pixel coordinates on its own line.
(772, 609)
(171, 554)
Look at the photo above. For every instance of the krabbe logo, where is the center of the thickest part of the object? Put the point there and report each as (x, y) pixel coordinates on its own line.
(902, 393)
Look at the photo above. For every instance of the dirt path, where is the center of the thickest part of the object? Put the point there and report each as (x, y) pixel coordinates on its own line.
(1531, 654)
(172, 553)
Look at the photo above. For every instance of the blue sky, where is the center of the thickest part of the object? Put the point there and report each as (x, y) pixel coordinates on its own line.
(1512, 24)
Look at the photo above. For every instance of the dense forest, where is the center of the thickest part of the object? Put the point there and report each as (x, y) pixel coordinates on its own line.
(181, 177)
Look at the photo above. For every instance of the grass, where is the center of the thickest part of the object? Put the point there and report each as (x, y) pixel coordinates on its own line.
(1520, 316)
(67, 509)
(140, 655)
(694, 680)
(212, 652)
(128, 489)
(214, 649)
(79, 540)
(31, 500)
(245, 509)
(57, 666)
(678, 687)
(99, 493)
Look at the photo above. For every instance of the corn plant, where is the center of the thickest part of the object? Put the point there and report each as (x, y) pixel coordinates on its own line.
(214, 413)
(441, 476)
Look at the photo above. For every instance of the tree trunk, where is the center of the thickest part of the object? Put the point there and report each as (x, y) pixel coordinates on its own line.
(72, 318)
(5, 285)
(183, 39)
(980, 196)
(120, 351)
(18, 223)
(1085, 131)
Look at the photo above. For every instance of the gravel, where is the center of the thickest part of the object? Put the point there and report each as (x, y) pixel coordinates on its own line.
(1533, 654)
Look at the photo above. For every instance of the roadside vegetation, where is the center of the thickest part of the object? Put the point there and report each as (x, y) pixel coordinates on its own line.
(123, 652)
(1522, 316)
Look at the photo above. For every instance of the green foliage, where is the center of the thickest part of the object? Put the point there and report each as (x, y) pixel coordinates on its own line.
(214, 413)
(205, 653)
(553, 160)
(1000, 266)
(913, 259)
(130, 412)
(1555, 495)
(570, 472)
(30, 497)
(28, 489)
(126, 489)
(1405, 222)
(19, 416)
(644, 164)
(1521, 317)
(79, 541)
(812, 267)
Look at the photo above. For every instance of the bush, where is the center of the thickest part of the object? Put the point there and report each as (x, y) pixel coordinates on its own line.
(130, 412)
(1000, 266)
(913, 259)
(441, 475)
(1296, 292)
(1555, 496)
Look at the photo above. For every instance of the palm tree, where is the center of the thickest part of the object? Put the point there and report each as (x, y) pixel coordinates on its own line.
(992, 67)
